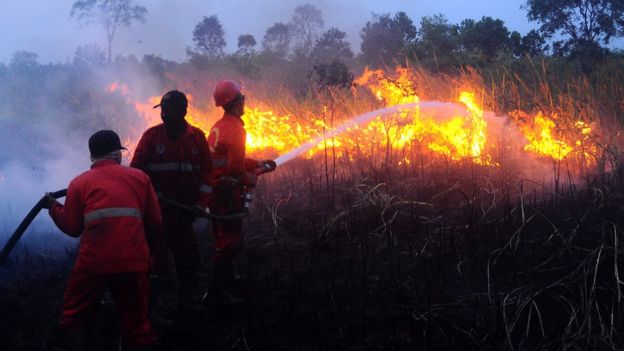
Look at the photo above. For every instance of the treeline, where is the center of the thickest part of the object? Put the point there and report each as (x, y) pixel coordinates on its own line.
(301, 55)
(566, 29)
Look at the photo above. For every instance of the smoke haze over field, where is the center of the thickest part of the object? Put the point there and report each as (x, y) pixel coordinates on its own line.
(45, 27)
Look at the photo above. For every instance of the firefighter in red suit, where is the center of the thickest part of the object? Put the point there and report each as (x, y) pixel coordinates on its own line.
(175, 155)
(114, 210)
(231, 174)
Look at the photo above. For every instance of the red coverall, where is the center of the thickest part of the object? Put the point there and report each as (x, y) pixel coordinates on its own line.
(227, 147)
(115, 211)
(180, 170)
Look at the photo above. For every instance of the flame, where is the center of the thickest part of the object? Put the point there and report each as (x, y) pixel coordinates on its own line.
(455, 134)
(118, 87)
(542, 142)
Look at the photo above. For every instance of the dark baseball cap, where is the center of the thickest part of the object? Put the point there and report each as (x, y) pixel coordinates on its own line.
(173, 98)
(104, 142)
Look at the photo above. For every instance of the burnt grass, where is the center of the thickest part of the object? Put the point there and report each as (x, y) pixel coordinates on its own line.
(451, 261)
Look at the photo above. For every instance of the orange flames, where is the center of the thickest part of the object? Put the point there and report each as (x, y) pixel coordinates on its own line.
(546, 139)
(457, 133)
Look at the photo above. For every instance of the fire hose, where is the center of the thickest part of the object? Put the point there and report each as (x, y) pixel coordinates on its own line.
(14, 238)
(264, 168)
(208, 215)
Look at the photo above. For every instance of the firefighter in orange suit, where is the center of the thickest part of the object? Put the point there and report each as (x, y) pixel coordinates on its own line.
(114, 210)
(176, 157)
(232, 172)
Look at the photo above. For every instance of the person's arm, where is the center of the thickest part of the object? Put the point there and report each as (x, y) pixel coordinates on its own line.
(205, 190)
(154, 232)
(140, 159)
(236, 158)
(69, 218)
(251, 164)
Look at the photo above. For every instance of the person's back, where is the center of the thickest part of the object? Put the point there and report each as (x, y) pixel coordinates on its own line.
(176, 157)
(177, 167)
(111, 200)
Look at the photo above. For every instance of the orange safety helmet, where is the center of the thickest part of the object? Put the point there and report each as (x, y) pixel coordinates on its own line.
(225, 92)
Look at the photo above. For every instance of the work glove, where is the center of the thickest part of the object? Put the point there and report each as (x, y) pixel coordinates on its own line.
(49, 200)
(268, 165)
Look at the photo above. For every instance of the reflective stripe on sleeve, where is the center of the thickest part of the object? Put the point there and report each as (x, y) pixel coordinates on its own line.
(112, 212)
(172, 166)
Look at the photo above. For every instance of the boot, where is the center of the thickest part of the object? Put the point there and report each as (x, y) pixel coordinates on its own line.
(187, 295)
(76, 340)
(222, 277)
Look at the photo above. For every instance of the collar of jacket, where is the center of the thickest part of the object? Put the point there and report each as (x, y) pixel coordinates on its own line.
(238, 118)
(104, 163)
(188, 129)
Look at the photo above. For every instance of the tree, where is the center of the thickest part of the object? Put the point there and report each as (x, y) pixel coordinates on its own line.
(332, 46)
(580, 22)
(331, 78)
(89, 55)
(209, 38)
(245, 60)
(487, 37)
(532, 44)
(246, 43)
(384, 37)
(305, 24)
(437, 43)
(277, 40)
(110, 14)
(333, 75)
(24, 61)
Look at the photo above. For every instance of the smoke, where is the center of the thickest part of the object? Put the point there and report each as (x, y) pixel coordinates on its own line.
(26, 179)
(506, 137)
(46, 120)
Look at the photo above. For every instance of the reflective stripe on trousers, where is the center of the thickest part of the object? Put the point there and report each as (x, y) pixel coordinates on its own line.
(172, 166)
(112, 212)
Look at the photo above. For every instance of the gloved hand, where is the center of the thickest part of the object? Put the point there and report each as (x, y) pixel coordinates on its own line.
(268, 165)
(200, 211)
(49, 200)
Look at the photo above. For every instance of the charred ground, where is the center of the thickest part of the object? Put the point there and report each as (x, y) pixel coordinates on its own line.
(454, 260)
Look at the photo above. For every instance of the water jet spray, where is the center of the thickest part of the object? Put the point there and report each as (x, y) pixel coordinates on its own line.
(358, 121)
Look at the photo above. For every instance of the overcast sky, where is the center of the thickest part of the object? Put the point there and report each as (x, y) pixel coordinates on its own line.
(45, 27)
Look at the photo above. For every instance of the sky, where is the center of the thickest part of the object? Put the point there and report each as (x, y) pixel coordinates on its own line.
(46, 28)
